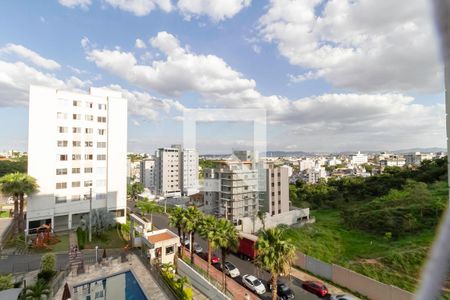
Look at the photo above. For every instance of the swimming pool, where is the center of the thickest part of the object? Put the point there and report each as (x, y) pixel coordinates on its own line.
(123, 286)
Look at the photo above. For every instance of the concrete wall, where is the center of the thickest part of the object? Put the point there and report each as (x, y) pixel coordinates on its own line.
(351, 280)
(287, 218)
(199, 282)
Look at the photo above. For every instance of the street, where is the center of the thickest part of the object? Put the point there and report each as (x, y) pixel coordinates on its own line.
(245, 267)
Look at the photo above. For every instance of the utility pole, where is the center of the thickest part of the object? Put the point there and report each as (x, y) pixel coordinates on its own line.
(90, 215)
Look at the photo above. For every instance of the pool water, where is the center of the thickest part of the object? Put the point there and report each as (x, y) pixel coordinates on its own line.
(123, 286)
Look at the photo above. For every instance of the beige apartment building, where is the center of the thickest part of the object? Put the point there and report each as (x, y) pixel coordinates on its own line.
(276, 198)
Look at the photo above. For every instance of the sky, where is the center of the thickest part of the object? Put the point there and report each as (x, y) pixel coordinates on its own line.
(337, 75)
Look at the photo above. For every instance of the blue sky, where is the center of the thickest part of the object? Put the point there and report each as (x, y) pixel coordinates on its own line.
(332, 75)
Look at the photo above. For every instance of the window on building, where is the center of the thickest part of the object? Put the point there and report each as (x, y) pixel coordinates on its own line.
(101, 119)
(61, 171)
(88, 143)
(62, 157)
(87, 170)
(88, 156)
(101, 144)
(76, 116)
(87, 196)
(101, 196)
(62, 143)
(102, 106)
(62, 129)
(61, 116)
(273, 194)
(279, 193)
(60, 199)
(61, 185)
(89, 118)
(89, 104)
(76, 130)
(118, 212)
(76, 143)
(101, 156)
(88, 183)
(76, 103)
(102, 131)
(76, 170)
(76, 197)
(76, 184)
(88, 130)
(76, 156)
(170, 250)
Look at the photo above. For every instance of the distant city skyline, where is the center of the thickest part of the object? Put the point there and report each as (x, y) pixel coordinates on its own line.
(331, 77)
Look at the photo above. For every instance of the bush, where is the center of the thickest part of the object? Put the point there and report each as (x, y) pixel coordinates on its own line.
(48, 262)
(46, 275)
(6, 282)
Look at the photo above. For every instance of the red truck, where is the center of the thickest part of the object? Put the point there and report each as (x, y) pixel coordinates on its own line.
(247, 246)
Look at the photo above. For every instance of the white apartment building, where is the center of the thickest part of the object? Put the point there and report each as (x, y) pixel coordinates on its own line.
(147, 173)
(359, 159)
(276, 200)
(77, 147)
(305, 164)
(189, 171)
(393, 161)
(167, 172)
(314, 175)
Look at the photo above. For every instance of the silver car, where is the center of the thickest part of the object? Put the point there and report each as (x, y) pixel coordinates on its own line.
(341, 297)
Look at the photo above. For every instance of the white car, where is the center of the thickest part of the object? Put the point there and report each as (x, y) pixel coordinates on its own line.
(197, 248)
(341, 297)
(253, 284)
(231, 270)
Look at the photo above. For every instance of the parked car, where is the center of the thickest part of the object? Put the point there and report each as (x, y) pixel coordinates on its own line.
(341, 297)
(231, 270)
(315, 287)
(214, 258)
(283, 290)
(197, 248)
(253, 284)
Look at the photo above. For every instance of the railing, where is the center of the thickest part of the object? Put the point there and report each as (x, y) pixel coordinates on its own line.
(59, 280)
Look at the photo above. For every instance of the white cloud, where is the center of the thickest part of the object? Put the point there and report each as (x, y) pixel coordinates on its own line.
(74, 3)
(145, 105)
(140, 44)
(42, 19)
(140, 7)
(85, 42)
(16, 78)
(357, 118)
(365, 45)
(215, 10)
(31, 56)
(256, 49)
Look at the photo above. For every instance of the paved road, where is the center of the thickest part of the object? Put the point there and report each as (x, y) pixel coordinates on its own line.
(245, 267)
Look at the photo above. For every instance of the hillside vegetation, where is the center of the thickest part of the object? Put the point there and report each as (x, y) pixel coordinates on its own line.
(382, 226)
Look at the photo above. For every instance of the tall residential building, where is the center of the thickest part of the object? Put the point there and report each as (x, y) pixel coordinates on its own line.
(167, 172)
(276, 197)
(189, 171)
(231, 190)
(77, 149)
(176, 171)
(147, 176)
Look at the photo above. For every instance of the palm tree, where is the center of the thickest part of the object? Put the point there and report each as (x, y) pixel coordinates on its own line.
(275, 254)
(149, 207)
(192, 223)
(18, 185)
(176, 218)
(225, 238)
(207, 230)
(37, 291)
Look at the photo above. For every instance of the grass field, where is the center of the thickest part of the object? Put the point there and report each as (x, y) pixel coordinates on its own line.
(110, 239)
(4, 214)
(396, 262)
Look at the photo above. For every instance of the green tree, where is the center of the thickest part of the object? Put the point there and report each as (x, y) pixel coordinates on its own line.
(192, 221)
(275, 254)
(6, 282)
(13, 166)
(149, 207)
(207, 230)
(18, 185)
(102, 220)
(134, 189)
(176, 219)
(48, 262)
(225, 238)
(40, 290)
